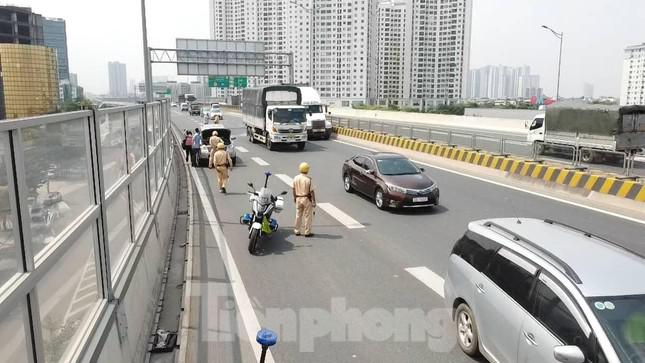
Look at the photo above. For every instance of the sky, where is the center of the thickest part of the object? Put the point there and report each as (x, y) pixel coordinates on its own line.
(504, 32)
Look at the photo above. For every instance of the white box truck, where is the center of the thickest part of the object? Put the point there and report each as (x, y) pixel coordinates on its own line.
(273, 116)
(590, 130)
(317, 124)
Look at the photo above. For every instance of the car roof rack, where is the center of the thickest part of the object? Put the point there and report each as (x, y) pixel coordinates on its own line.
(590, 235)
(553, 259)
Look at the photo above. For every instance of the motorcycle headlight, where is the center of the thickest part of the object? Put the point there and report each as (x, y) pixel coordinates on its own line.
(397, 189)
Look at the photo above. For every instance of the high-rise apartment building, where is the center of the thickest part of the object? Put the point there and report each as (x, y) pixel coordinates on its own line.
(118, 79)
(502, 82)
(423, 51)
(394, 56)
(55, 36)
(633, 83)
(29, 80)
(416, 51)
(20, 25)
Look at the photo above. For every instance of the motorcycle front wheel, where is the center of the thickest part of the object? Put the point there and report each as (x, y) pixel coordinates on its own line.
(253, 240)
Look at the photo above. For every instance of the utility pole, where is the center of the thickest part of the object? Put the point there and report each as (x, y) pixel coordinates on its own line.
(147, 66)
(559, 36)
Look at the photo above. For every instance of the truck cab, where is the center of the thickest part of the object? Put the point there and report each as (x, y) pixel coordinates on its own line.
(536, 129)
(317, 124)
(286, 124)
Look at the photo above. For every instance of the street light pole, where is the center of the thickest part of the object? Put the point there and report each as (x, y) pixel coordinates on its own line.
(559, 36)
(147, 67)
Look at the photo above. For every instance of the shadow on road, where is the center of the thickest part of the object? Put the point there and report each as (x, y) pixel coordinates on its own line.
(438, 209)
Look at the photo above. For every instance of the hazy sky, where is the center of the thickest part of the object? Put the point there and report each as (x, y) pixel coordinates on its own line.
(504, 32)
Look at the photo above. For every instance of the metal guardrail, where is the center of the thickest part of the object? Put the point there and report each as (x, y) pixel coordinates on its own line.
(75, 191)
(479, 140)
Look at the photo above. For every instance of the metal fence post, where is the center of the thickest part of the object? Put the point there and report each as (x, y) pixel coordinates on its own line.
(429, 134)
(449, 137)
(411, 132)
(473, 141)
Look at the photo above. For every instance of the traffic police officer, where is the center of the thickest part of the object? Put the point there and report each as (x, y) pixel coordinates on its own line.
(305, 200)
(213, 141)
(222, 163)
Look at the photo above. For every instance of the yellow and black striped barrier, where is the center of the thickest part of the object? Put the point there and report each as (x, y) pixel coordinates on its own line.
(606, 184)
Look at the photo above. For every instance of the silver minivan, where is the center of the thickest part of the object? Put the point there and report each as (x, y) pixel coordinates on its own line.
(529, 290)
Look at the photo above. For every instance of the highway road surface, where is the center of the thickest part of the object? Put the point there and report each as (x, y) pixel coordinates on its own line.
(353, 292)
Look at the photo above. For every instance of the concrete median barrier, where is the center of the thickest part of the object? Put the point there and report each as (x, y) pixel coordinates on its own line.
(550, 174)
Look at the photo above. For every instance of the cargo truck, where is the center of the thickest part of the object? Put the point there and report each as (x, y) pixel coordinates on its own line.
(317, 124)
(593, 132)
(273, 116)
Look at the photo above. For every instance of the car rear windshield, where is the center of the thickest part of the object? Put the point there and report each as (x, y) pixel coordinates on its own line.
(396, 167)
(623, 318)
(224, 134)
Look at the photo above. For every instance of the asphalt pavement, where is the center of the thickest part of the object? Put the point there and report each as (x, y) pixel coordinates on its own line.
(369, 281)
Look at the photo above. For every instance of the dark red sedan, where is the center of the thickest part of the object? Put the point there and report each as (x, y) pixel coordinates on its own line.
(392, 180)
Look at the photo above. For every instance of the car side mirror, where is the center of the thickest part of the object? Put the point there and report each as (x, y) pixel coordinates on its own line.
(568, 354)
(284, 193)
(422, 169)
(370, 172)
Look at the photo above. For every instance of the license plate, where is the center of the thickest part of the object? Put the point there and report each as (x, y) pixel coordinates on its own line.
(420, 199)
(291, 136)
(319, 130)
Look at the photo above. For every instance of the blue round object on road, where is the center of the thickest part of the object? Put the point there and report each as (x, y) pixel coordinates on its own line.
(266, 337)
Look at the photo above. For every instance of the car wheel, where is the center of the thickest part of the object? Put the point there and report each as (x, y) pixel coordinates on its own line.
(270, 144)
(379, 199)
(347, 184)
(587, 156)
(467, 333)
(234, 160)
(301, 146)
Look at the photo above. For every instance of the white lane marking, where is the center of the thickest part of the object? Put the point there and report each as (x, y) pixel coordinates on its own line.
(259, 161)
(241, 149)
(538, 194)
(428, 278)
(340, 216)
(245, 308)
(286, 179)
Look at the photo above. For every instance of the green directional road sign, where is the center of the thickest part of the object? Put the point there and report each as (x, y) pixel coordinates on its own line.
(218, 81)
(240, 82)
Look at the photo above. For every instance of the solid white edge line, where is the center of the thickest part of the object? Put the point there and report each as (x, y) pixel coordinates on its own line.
(285, 179)
(259, 161)
(340, 216)
(598, 210)
(428, 278)
(245, 308)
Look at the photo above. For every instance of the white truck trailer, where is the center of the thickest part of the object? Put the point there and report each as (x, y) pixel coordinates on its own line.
(273, 116)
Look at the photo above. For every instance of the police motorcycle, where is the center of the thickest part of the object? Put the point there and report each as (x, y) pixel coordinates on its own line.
(263, 204)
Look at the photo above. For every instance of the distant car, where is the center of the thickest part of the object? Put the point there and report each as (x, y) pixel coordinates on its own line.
(41, 218)
(195, 109)
(215, 114)
(224, 134)
(183, 107)
(392, 180)
(539, 291)
(173, 104)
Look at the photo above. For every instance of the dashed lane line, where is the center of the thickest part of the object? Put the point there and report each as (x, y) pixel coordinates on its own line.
(259, 161)
(340, 216)
(286, 179)
(428, 278)
(241, 149)
(245, 308)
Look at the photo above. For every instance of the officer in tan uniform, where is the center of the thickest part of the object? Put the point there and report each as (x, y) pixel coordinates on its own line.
(213, 141)
(222, 163)
(305, 199)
